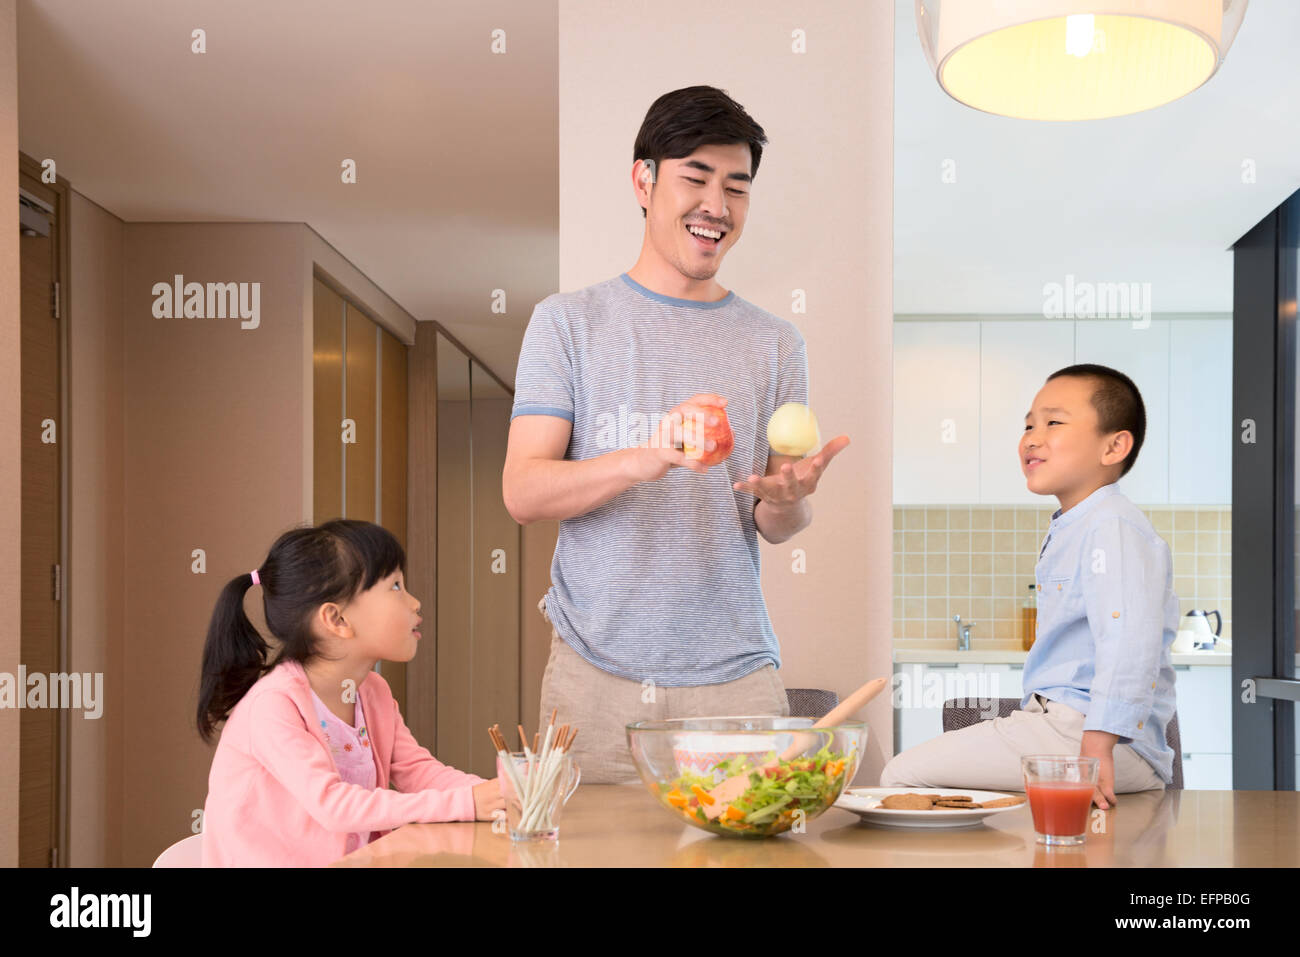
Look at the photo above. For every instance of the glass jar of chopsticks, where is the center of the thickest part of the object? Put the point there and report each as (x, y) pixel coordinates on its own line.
(536, 785)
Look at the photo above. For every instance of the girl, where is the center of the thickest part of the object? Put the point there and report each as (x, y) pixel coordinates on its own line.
(313, 738)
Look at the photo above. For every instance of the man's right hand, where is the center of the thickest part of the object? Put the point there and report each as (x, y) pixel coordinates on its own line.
(654, 458)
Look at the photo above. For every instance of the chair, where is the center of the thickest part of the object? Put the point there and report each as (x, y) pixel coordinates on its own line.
(811, 702)
(184, 853)
(955, 718)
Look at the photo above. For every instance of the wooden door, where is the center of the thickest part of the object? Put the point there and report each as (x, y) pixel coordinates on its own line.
(359, 406)
(43, 433)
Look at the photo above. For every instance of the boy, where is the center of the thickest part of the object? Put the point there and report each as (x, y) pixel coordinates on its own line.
(1098, 680)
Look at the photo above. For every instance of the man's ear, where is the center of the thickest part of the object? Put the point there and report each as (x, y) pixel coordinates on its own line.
(642, 180)
(649, 173)
(1117, 448)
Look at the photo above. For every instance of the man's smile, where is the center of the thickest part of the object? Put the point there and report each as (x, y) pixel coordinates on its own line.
(705, 237)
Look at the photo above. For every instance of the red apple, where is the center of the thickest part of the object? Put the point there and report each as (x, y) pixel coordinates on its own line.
(695, 421)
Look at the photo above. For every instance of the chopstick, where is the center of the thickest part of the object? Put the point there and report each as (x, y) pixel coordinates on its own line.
(536, 793)
(500, 742)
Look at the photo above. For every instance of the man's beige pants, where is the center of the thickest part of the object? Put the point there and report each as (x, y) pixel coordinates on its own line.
(601, 705)
(986, 756)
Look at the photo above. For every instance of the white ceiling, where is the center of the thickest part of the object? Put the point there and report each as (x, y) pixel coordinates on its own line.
(457, 148)
(457, 153)
(1154, 197)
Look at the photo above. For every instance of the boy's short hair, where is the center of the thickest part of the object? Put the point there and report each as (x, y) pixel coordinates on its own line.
(1117, 401)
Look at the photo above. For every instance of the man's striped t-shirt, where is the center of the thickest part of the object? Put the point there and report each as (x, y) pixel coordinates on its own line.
(662, 581)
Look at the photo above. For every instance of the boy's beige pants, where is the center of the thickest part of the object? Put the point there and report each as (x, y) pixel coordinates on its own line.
(601, 705)
(986, 756)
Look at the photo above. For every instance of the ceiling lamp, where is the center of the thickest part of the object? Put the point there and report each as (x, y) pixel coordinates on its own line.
(1074, 59)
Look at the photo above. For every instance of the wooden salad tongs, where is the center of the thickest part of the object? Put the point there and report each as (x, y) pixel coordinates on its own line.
(733, 787)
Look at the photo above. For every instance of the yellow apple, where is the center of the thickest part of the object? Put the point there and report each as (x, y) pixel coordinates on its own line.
(792, 430)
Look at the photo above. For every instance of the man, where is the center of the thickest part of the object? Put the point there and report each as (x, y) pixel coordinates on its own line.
(656, 605)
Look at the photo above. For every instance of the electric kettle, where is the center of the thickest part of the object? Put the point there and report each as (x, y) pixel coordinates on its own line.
(1194, 632)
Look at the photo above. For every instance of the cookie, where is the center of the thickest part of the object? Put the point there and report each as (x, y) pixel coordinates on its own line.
(954, 797)
(966, 805)
(908, 802)
(1003, 802)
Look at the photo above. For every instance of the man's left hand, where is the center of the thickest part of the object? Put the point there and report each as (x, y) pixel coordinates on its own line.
(795, 480)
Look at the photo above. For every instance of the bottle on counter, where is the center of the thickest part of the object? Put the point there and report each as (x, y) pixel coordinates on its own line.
(1029, 618)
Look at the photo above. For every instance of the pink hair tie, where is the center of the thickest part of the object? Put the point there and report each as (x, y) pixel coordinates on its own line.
(256, 580)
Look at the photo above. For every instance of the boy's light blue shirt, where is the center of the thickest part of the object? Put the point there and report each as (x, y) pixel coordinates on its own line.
(1107, 615)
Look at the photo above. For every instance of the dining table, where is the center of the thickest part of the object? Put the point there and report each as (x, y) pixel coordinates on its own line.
(623, 825)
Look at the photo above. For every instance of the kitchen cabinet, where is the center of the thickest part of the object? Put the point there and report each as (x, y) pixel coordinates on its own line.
(1204, 697)
(936, 412)
(1204, 708)
(921, 689)
(1015, 359)
(950, 374)
(1200, 412)
(1004, 681)
(1142, 353)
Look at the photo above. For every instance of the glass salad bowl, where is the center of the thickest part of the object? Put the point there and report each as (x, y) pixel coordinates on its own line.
(793, 770)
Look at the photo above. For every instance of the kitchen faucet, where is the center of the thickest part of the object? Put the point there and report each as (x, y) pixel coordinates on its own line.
(963, 633)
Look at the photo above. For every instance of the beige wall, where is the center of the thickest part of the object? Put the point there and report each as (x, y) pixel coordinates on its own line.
(185, 433)
(820, 220)
(95, 528)
(10, 408)
(213, 444)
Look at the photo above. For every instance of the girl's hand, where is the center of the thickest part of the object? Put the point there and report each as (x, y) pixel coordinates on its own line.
(488, 800)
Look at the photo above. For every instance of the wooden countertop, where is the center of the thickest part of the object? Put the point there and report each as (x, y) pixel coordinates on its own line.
(614, 825)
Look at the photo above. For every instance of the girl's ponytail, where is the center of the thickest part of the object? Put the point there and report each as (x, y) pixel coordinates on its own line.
(234, 657)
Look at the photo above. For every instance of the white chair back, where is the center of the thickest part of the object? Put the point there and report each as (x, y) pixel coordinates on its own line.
(186, 852)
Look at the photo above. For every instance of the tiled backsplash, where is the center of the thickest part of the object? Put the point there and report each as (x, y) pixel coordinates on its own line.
(978, 562)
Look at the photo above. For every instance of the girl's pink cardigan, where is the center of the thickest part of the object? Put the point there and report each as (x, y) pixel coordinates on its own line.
(275, 798)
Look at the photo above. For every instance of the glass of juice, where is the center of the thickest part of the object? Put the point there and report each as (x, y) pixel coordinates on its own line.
(1059, 788)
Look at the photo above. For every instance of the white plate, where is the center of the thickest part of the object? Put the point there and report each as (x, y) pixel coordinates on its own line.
(865, 802)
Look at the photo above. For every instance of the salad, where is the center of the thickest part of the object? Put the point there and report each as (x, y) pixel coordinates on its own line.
(773, 799)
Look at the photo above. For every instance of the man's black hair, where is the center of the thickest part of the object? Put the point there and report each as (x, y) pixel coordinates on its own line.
(680, 122)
